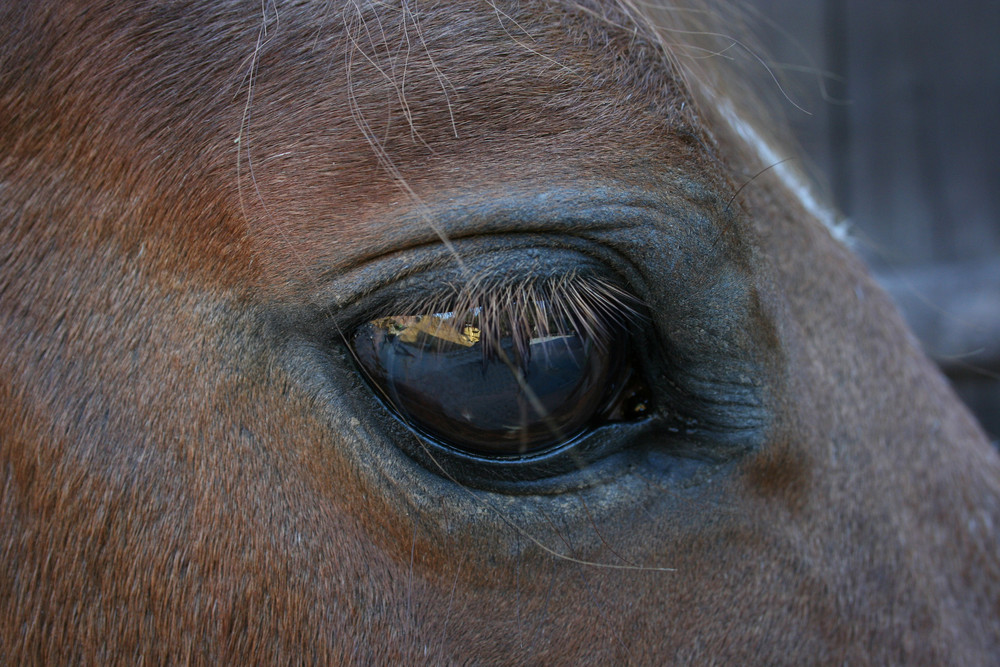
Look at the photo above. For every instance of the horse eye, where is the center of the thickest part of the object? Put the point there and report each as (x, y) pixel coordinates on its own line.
(507, 382)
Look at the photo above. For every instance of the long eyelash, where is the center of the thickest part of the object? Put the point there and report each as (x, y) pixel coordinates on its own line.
(533, 308)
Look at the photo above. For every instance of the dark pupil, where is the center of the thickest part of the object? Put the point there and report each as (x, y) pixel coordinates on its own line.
(493, 388)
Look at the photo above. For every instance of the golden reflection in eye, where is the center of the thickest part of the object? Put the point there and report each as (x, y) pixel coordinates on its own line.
(408, 329)
(508, 370)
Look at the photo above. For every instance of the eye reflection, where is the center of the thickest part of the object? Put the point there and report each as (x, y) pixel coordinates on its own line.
(509, 371)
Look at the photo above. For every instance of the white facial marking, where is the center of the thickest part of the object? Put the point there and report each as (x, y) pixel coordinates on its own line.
(838, 227)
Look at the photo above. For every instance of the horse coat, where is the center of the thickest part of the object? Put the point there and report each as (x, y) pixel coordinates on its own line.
(218, 219)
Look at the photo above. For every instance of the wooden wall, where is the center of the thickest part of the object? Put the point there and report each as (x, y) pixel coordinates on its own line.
(903, 127)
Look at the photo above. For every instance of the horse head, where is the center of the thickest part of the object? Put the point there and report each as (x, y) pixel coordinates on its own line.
(451, 332)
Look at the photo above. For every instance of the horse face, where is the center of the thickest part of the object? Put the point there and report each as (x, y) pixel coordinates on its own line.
(204, 208)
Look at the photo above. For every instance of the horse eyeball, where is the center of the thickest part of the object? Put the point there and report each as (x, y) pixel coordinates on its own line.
(501, 382)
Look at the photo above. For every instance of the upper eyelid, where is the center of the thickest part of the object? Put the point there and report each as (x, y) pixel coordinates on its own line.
(553, 290)
(436, 280)
(557, 218)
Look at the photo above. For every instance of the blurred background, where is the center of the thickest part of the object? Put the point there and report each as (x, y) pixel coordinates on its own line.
(901, 126)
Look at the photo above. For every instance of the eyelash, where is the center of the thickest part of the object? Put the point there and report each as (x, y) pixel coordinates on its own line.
(590, 303)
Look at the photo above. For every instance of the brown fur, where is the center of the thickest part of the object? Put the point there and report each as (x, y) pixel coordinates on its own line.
(183, 479)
